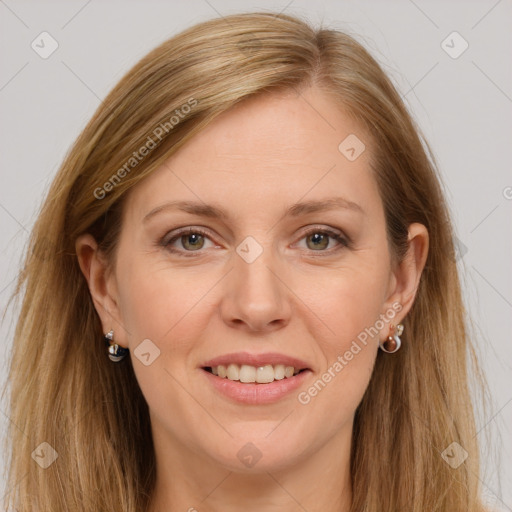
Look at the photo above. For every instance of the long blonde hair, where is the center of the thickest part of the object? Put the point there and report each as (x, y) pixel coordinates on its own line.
(65, 391)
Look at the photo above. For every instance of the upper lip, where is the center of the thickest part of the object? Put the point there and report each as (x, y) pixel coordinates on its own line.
(257, 360)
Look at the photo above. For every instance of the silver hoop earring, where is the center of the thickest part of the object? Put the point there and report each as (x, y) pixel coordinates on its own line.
(393, 341)
(116, 353)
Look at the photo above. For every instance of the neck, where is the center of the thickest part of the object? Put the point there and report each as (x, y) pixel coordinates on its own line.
(191, 482)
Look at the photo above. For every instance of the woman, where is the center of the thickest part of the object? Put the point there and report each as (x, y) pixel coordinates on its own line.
(242, 293)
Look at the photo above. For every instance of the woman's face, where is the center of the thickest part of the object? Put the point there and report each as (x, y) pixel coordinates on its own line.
(266, 278)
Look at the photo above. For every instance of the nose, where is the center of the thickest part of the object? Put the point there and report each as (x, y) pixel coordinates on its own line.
(256, 297)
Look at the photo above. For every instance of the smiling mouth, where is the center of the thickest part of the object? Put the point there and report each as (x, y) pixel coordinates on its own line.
(254, 374)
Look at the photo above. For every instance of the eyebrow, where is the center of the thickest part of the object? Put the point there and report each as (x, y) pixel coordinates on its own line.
(296, 210)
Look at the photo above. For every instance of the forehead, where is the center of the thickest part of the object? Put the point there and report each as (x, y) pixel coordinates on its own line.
(270, 150)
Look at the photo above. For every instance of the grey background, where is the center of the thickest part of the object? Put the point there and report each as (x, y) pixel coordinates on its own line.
(463, 106)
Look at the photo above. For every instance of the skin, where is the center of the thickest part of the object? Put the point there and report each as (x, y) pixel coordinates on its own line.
(255, 161)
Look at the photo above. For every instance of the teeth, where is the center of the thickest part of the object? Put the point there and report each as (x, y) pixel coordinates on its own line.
(259, 374)
(247, 373)
(279, 371)
(265, 374)
(233, 372)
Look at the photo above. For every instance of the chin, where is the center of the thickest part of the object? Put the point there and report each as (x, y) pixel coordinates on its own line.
(259, 455)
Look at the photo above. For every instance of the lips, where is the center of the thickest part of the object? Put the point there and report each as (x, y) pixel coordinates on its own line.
(254, 393)
(256, 378)
(257, 360)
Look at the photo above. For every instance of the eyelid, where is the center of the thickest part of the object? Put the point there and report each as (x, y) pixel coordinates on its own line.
(343, 240)
(318, 227)
(175, 234)
(336, 234)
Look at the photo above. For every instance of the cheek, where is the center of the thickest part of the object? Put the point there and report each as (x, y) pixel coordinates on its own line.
(349, 303)
(166, 307)
(350, 300)
(156, 302)
(333, 396)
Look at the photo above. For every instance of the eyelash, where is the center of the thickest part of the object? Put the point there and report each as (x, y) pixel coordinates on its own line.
(344, 241)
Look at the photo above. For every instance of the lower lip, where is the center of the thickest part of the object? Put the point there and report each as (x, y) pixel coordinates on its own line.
(254, 393)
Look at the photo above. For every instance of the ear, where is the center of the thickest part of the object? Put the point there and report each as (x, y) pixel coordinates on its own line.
(405, 277)
(102, 285)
